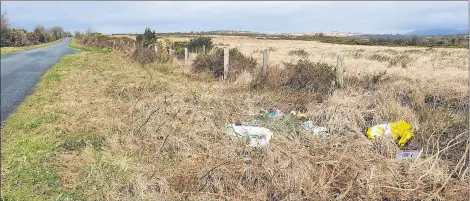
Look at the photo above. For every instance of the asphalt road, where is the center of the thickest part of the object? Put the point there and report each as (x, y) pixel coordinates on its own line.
(21, 71)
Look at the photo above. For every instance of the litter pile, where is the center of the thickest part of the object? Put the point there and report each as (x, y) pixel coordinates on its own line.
(259, 137)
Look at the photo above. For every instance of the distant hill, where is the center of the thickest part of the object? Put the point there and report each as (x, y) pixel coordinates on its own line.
(435, 32)
(325, 33)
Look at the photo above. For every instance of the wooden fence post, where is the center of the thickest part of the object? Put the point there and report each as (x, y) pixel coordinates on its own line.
(186, 56)
(265, 63)
(114, 44)
(155, 47)
(203, 49)
(134, 46)
(226, 62)
(339, 72)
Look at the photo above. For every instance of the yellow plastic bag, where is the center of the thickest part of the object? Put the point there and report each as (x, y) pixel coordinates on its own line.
(400, 131)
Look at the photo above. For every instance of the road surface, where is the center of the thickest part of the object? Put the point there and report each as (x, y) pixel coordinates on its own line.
(21, 71)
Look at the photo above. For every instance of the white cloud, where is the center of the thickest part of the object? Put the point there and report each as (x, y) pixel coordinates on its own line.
(276, 16)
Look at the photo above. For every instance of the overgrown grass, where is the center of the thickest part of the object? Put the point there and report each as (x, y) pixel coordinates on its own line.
(100, 127)
(6, 50)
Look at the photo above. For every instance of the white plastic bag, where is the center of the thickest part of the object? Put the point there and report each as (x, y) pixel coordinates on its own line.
(315, 129)
(258, 136)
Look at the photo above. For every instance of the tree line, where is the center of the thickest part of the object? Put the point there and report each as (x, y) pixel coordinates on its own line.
(459, 41)
(12, 37)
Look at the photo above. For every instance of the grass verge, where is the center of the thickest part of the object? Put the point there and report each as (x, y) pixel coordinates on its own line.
(100, 127)
(6, 50)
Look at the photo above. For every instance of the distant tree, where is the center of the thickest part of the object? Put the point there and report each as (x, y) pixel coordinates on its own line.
(18, 38)
(89, 31)
(50, 36)
(68, 34)
(41, 32)
(58, 32)
(453, 41)
(4, 30)
(146, 39)
(414, 40)
(77, 34)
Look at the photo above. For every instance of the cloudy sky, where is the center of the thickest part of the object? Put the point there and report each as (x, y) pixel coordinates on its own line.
(269, 17)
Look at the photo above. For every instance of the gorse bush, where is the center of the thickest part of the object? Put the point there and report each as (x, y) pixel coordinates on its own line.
(309, 76)
(301, 53)
(214, 63)
(146, 39)
(145, 50)
(196, 44)
(179, 46)
(302, 75)
(403, 60)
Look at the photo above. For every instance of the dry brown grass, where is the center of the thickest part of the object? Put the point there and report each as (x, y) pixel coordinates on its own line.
(157, 131)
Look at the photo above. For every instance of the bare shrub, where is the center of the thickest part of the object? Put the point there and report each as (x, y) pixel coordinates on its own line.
(269, 49)
(369, 81)
(301, 76)
(309, 76)
(445, 53)
(144, 55)
(430, 50)
(162, 56)
(214, 63)
(275, 78)
(379, 57)
(357, 54)
(301, 53)
(413, 51)
(391, 51)
(179, 46)
(403, 60)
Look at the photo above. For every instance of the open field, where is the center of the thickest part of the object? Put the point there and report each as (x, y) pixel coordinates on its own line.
(356, 55)
(6, 50)
(100, 127)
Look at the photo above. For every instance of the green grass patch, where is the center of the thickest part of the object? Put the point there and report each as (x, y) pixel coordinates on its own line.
(70, 195)
(30, 143)
(34, 137)
(52, 77)
(6, 50)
